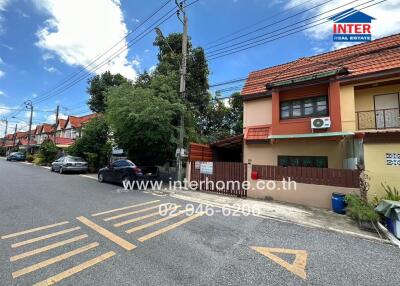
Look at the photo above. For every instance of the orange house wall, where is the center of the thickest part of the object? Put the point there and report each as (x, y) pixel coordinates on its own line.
(303, 125)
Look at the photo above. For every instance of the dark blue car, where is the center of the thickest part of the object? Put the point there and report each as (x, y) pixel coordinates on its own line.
(16, 156)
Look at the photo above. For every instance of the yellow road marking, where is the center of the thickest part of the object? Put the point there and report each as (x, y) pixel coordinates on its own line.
(299, 264)
(143, 226)
(57, 278)
(142, 217)
(33, 230)
(132, 213)
(53, 260)
(125, 208)
(47, 248)
(29, 241)
(170, 227)
(107, 234)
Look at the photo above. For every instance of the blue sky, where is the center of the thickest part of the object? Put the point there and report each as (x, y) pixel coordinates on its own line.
(42, 42)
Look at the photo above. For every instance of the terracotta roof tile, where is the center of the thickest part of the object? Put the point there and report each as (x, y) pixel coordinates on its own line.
(62, 123)
(379, 55)
(77, 122)
(257, 133)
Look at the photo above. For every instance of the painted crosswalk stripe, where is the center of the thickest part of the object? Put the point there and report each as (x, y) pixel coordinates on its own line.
(170, 227)
(125, 208)
(143, 217)
(134, 212)
(40, 238)
(47, 248)
(53, 260)
(33, 230)
(76, 269)
(143, 226)
(107, 234)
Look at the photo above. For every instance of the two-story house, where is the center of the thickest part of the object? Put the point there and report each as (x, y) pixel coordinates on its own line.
(337, 110)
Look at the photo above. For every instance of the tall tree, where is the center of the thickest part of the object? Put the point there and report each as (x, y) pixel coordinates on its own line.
(99, 86)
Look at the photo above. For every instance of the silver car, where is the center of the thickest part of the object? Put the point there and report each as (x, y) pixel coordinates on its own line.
(69, 164)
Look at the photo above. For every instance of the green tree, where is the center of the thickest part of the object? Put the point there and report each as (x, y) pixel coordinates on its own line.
(170, 56)
(99, 86)
(236, 113)
(48, 152)
(143, 120)
(94, 145)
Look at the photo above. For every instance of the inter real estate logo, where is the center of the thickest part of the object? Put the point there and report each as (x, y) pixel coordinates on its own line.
(352, 26)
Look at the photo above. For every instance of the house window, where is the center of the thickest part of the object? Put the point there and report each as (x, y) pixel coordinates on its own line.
(306, 107)
(303, 161)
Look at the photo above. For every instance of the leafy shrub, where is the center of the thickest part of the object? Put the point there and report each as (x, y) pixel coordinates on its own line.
(39, 160)
(391, 194)
(3, 151)
(30, 158)
(360, 210)
(48, 152)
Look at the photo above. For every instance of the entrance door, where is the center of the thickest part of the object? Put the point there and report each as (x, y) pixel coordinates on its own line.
(387, 111)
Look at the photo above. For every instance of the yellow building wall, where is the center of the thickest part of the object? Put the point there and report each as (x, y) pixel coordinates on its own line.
(364, 98)
(347, 108)
(267, 154)
(257, 112)
(378, 170)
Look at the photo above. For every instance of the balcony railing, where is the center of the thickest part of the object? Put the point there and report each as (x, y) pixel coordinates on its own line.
(378, 119)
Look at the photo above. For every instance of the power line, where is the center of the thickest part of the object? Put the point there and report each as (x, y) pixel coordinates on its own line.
(159, 22)
(272, 24)
(276, 37)
(269, 35)
(98, 57)
(255, 24)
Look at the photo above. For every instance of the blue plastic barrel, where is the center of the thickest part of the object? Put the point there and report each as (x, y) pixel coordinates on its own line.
(339, 203)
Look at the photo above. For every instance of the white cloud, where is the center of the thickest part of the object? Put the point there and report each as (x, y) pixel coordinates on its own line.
(2, 73)
(2, 93)
(51, 69)
(34, 95)
(77, 32)
(52, 117)
(4, 109)
(3, 4)
(386, 13)
(1, 61)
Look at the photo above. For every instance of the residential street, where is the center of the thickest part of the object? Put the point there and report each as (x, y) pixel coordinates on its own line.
(84, 245)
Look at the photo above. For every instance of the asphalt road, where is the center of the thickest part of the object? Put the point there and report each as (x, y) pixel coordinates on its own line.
(77, 242)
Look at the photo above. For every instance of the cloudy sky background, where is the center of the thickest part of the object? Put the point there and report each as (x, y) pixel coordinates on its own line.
(43, 42)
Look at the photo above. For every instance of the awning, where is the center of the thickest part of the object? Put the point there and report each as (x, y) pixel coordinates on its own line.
(257, 133)
(311, 135)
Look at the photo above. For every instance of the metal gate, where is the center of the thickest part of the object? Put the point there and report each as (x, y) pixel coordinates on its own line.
(223, 177)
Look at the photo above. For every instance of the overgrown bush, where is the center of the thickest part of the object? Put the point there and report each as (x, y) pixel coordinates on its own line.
(48, 152)
(30, 158)
(39, 160)
(359, 209)
(3, 151)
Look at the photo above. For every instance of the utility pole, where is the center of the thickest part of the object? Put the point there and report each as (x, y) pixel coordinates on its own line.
(29, 105)
(5, 131)
(182, 89)
(55, 129)
(15, 135)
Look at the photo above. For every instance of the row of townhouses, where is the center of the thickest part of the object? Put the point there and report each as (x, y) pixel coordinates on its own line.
(63, 134)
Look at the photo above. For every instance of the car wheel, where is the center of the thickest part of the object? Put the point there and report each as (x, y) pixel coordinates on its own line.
(51, 169)
(61, 170)
(100, 178)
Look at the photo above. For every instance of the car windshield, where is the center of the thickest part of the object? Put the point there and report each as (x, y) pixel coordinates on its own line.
(75, 159)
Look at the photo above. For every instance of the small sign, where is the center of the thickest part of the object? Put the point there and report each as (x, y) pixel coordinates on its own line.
(206, 168)
(393, 159)
(197, 165)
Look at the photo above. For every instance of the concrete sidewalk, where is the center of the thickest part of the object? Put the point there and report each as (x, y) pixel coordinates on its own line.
(304, 216)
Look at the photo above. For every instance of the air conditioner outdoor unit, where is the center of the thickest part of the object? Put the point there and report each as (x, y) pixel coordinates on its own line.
(321, 123)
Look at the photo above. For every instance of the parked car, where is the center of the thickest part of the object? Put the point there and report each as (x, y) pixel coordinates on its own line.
(69, 164)
(16, 156)
(120, 171)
